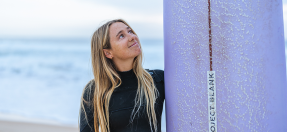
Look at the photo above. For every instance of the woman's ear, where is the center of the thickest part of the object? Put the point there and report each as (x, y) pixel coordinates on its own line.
(108, 53)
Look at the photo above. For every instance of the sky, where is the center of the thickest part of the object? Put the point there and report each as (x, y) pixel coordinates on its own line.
(80, 18)
(77, 18)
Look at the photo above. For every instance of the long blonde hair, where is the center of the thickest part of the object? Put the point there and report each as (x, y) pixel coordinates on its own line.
(107, 79)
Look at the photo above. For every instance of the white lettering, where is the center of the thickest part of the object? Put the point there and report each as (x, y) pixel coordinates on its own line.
(211, 88)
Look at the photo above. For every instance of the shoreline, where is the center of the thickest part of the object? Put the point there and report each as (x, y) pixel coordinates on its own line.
(17, 123)
(14, 126)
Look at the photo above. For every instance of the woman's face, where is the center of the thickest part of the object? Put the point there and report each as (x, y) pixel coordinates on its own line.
(124, 43)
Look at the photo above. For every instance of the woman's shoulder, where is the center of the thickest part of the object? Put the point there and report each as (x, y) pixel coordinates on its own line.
(157, 74)
(89, 90)
(90, 83)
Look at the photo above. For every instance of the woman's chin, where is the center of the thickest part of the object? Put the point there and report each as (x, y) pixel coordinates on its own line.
(139, 52)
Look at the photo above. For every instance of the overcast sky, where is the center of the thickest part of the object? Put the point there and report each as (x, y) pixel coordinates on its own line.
(80, 18)
(77, 18)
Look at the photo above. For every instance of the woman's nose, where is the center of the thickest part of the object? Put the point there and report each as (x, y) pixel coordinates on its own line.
(132, 37)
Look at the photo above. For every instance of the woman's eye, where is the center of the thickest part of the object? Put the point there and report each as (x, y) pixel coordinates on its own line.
(130, 31)
(121, 36)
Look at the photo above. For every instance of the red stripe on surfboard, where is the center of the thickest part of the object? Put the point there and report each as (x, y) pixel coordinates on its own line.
(210, 37)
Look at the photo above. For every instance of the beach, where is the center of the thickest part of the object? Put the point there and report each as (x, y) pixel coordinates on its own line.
(17, 126)
(18, 123)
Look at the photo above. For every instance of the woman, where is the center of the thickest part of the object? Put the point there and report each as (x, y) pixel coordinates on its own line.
(122, 97)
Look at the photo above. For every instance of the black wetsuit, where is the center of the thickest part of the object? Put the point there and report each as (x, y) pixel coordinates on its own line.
(122, 103)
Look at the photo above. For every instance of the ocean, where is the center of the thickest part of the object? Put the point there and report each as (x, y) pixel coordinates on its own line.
(44, 79)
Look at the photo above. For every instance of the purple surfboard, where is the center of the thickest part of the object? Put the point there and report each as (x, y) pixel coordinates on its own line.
(225, 66)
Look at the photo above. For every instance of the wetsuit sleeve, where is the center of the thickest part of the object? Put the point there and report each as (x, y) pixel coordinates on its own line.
(86, 110)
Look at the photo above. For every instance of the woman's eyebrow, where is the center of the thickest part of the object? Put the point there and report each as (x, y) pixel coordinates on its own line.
(122, 31)
(119, 33)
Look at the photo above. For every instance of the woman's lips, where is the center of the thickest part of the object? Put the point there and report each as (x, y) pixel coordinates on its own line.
(133, 44)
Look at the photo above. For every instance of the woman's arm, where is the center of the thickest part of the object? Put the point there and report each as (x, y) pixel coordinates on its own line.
(87, 110)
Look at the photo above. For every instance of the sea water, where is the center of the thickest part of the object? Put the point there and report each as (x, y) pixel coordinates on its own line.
(44, 79)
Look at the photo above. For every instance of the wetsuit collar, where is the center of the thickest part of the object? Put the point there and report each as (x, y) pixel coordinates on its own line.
(126, 73)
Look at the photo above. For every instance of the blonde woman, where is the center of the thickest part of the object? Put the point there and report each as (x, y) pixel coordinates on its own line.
(122, 97)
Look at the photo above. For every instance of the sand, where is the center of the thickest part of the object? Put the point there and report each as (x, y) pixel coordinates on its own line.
(14, 126)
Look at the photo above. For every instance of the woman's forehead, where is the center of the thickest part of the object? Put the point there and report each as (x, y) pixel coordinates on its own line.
(116, 27)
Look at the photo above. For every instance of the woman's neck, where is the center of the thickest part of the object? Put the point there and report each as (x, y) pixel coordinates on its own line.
(123, 65)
